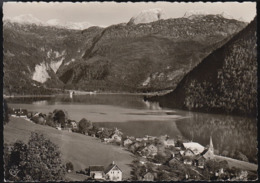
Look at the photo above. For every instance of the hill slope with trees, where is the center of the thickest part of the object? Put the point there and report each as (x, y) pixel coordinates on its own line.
(225, 81)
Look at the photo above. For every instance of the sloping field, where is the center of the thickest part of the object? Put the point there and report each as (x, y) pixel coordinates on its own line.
(237, 163)
(81, 150)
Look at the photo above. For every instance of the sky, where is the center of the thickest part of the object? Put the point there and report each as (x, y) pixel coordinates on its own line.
(108, 13)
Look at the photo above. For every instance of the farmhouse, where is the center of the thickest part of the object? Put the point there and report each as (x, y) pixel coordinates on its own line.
(187, 160)
(178, 155)
(199, 161)
(117, 132)
(96, 172)
(173, 161)
(113, 172)
(116, 137)
(74, 124)
(127, 142)
(150, 150)
(164, 137)
(169, 143)
(148, 176)
(20, 112)
(150, 137)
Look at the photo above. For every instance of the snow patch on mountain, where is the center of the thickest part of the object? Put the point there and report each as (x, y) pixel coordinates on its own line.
(56, 65)
(25, 19)
(69, 25)
(30, 19)
(147, 16)
(41, 73)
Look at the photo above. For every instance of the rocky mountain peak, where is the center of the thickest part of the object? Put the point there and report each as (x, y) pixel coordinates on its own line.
(147, 16)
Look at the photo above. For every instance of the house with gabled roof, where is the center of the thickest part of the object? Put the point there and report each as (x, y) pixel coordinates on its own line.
(199, 161)
(150, 150)
(116, 137)
(169, 143)
(127, 142)
(113, 172)
(188, 152)
(147, 176)
(173, 161)
(74, 124)
(96, 172)
(187, 160)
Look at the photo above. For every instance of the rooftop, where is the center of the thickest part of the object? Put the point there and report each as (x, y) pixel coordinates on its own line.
(96, 168)
(194, 146)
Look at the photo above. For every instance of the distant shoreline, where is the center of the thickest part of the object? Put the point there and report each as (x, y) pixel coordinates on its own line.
(91, 93)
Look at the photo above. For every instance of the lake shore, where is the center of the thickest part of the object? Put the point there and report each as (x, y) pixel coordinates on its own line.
(77, 92)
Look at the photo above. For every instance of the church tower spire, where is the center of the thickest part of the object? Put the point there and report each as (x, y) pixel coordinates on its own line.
(211, 148)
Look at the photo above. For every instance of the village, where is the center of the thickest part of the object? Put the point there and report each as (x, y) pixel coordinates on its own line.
(156, 158)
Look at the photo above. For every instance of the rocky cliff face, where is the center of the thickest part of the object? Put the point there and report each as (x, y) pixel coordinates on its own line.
(148, 16)
(124, 57)
(35, 54)
(225, 81)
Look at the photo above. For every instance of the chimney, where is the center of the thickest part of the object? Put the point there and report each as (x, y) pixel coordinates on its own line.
(113, 162)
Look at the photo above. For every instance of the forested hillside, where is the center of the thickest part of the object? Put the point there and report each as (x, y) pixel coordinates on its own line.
(225, 81)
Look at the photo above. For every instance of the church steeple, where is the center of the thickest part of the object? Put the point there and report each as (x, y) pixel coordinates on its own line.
(211, 148)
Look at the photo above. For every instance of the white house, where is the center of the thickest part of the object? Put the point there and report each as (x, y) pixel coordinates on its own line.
(113, 172)
(116, 137)
(169, 142)
(74, 124)
(127, 142)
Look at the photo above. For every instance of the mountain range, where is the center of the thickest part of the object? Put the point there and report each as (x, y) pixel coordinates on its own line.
(143, 55)
(30, 19)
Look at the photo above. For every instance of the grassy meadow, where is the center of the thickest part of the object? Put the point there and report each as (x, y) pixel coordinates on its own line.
(81, 150)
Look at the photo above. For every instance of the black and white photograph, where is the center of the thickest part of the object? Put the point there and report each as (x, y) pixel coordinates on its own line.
(129, 91)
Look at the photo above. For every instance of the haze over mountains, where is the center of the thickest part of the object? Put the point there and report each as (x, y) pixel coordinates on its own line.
(149, 53)
(30, 19)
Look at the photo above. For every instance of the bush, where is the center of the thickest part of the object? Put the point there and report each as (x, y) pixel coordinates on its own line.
(85, 125)
(39, 160)
(69, 167)
(38, 120)
(50, 121)
(60, 116)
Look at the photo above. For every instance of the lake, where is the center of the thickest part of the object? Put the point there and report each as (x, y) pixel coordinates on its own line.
(136, 117)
